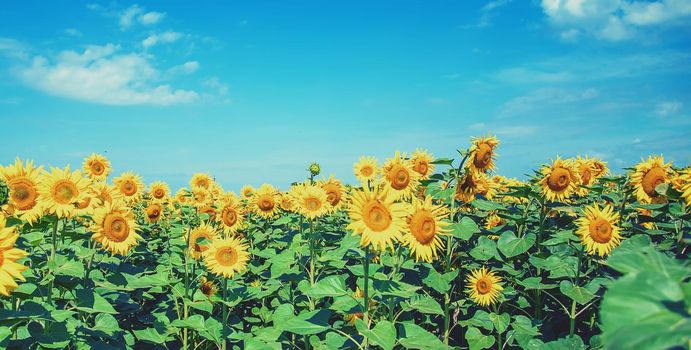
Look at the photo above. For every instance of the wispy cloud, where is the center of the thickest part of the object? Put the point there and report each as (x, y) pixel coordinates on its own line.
(13, 49)
(668, 108)
(73, 32)
(188, 67)
(161, 38)
(135, 14)
(487, 13)
(544, 98)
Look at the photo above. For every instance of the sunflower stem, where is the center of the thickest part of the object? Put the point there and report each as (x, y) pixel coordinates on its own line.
(365, 265)
(538, 240)
(572, 314)
(89, 264)
(312, 271)
(225, 306)
(54, 241)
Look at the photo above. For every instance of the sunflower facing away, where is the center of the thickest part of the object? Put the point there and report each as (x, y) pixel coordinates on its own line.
(647, 175)
(154, 212)
(425, 228)
(484, 286)
(202, 231)
(226, 256)
(467, 187)
(231, 217)
(114, 228)
(335, 192)
(559, 180)
(208, 287)
(482, 153)
(586, 172)
(685, 180)
(422, 163)
(264, 202)
(286, 202)
(130, 187)
(311, 201)
(23, 178)
(159, 191)
(399, 176)
(61, 190)
(202, 180)
(366, 169)
(377, 218)
(9, 268)
(598, 230)
(106, 193)
(97, 167)
(89, 202)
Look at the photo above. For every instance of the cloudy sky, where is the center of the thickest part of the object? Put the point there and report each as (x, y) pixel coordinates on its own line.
(252, 92)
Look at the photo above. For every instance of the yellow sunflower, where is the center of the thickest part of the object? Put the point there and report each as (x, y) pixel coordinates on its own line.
(202, 180)
(159, 191)
(200, 197)
(286, 202)
(377, 218)
(208, 287)
(230, 198)
(311, 201)
(204, 230)
(264, 202)
(154, 212)
(399, 177)
(600, 168)
(647, 175)
(89, 202)
(586, 171)
(23, 179)
(182, 196)
(106, 193)
(484, 186)
(230, 217)
(685, 188)
(130, 186)
(493, 220)
(559, 180)
(335, 192)
(425, 228)
(247, 191)
(482, 153)
(226, 256)
(208, 210)
(422, 163)
(9, 268)
(598, 230)
(115, 228)
(467, 187)
(61, 190)
(97, 167)
(366, 169)
(484, 286)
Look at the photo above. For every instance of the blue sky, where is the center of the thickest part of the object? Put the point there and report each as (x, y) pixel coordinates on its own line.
(252, 92)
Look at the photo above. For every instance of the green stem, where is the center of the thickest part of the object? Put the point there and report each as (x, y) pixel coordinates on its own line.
(225, 307)
(538, 240)
(187, 287)
(365, 264)
(312, 269)
(89, 264)
(54, 241)
(572, 315)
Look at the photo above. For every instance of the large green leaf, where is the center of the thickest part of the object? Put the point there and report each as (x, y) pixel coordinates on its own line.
(580, 294)
(412, 336)
(424, 304)
(306, 323)
(510, 245)
(485, 249)
(477, 340)
(91, 302)
(331, 286)
(465, 229)
(383, 334)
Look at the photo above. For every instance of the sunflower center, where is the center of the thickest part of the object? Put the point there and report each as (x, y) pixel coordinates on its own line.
(128, 188)
(651, 179)
(559, 179)
(483, 156)
(312, 203)
(333, 195)
(399, 177)
(423, 227)
(421, 167)
(376, 216)
(159, 193)
(84, 203)
(153, 211)
(230, 217)
(97, 168)
(64, 192)
(366, 170)
(483, 286)
(23, 193)
(586, 175)
(600, 230)
(2, 257)
(116, 228)
(226, 256)
(266, 203)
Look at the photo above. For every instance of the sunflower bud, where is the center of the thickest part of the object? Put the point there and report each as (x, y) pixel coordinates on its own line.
(4, 193)
(314, 169)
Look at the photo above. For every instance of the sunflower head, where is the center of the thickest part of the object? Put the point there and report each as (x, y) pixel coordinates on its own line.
(286, 202)
(482, 153)
(366, 169)
(335, 192)
(130, 186)
(22, 178)
(247, 191)
(61, 190)
(311, 200)
(598, 229)
(230, 217)
(264, 202)
(467, 187)
(202, 180)
(377, 218)
(647, 176)
(493, 220)
(97, 167)
(422, 163)
(154, 212)
(399, 177)
(208, 287)
(197, 235)
(182, 196)
(559, 180)
(159, 191)
(484, 286)
(226, 256)
(115, 228)
(314, 169)
(10, 269)
(426, 226)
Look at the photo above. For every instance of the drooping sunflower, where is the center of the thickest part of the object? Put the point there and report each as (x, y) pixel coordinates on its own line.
(22, 178)
(467, 187)
(482, 153)
(230, 217)
(89, 202)
(586, 171)
(598, 229)
(208, 287)
(366, 169)
(206, 231)
(559, 180)
(264, 202)
(159, 191)
(10, 269)
(97, 167)
(600, 168)
(484, 286)
(115, 228)
(422, 163)
(61, 190)
(154, 212)
(226, 256)
(247, 191)
(647, 175)
(399, 177)
(106, 193)
(311, 201)
(335, 192)
(202, 180)
(425, 229)
(377, 218)
(130, 186)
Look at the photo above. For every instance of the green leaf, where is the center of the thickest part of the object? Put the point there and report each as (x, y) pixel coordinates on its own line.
(485, 249)
(150, 335)
(510, 245)
(579, 294)
(501, 322)
(56, 337)
(480, 319)
(330, 286)
(306, 323)
(435, 280)
(477, 340)
(534, 283)
(383, 334)
(195, 322)
(424, 304)
(282, 221)
(486, 205)
(465, 229)
(568, 343)
(412, 336)
(91, 302)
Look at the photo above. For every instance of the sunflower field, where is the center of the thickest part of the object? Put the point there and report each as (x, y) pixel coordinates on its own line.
(421, 253)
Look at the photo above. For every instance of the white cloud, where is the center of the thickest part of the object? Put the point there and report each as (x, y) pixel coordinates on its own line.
(185, 68)
(73, 32)
(487, 12)
(668, 108)
(215, 83)
(614, 20)
(542, 98)
(100, 75)
(162, 38)
(13, 49)
(135, 14)
(151, 17)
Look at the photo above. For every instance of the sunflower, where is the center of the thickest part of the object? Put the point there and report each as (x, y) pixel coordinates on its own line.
(154, 212)
(311, 201)
(493, 220)
(484, 186)
(106, 193)
(366, 169)
(425, 228)
(645, 213)
(206, 231)
(200, 197)
(208, 287)
(285, 201)
(230, 198)
(598, 230)
(247, 191)
(97, 167)
(376, 217)
(264, 202)
(130, 186)
(23, 179)
(422, 163)
(230, 217)
(182, 196)
(61, 190)
(226, 256)
(399, 176)
(600, 168)
(9, 268)
(482, 153)
(159, 191)
(647, 175)
(90, 202)
(467, 187)
(334, 192)
(484, 286)
(685, 188)
(114, 228)
(208, 210)
(559, 180)
(202, 180)
(586, 171)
